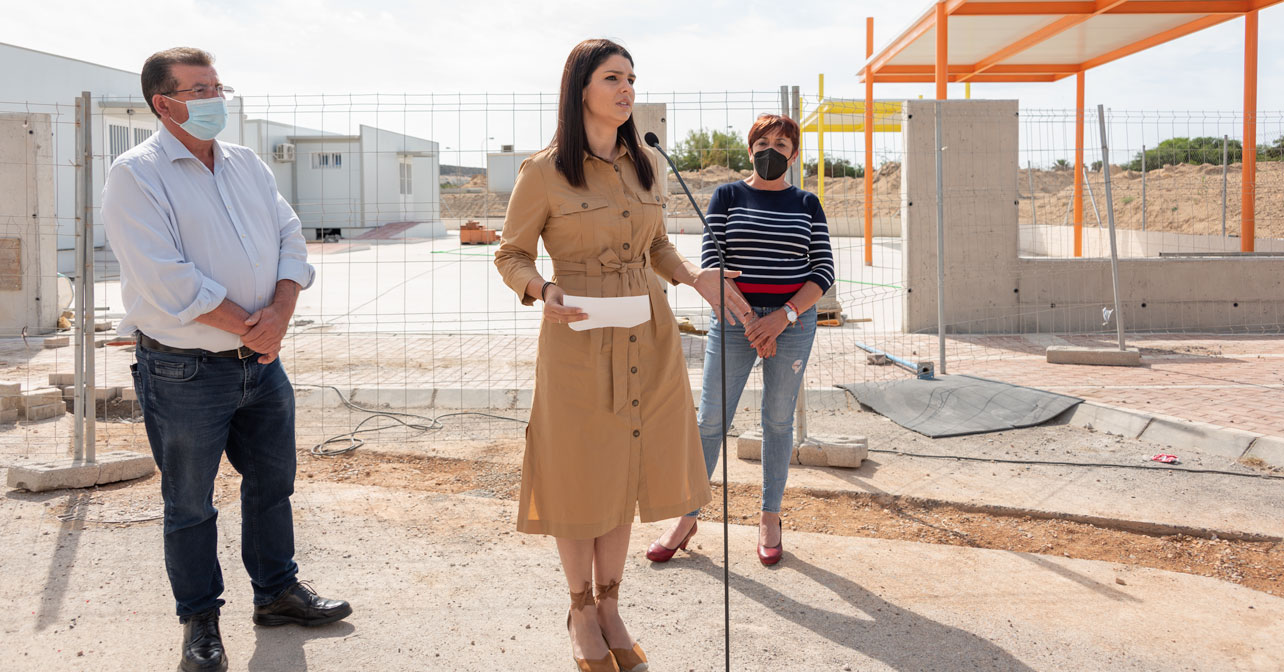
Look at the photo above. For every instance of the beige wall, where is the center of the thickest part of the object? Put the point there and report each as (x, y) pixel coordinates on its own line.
(28, 228)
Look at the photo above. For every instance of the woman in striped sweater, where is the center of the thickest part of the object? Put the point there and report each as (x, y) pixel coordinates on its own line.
(775, 235)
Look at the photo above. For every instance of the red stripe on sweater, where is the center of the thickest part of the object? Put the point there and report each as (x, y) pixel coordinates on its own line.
(760, 288)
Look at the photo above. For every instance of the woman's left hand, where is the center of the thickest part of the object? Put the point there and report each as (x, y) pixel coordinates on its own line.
(766, 328)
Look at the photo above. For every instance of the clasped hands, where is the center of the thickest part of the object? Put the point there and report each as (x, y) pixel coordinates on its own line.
(266, 330)
(761, 331)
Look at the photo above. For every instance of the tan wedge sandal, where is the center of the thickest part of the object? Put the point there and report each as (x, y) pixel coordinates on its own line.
(579, 600)
(629, 660)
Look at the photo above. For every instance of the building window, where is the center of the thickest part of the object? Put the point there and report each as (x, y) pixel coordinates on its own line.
(406, 182)
(141, 134)
(118, 136)
(325, 160)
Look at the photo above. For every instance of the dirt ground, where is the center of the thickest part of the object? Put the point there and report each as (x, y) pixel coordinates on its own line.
(1179, 199)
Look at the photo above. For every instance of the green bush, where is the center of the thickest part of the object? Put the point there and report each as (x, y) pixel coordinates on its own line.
(1195, 151)
(705, 148)
(839, 168)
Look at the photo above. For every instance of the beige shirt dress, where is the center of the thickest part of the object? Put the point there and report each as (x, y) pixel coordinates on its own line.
(612, 428)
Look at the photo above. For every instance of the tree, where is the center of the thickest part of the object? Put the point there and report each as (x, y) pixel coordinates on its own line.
(839, 168)
(1271, 152)
(1195, 151)
(704, 148)
(1061, 164)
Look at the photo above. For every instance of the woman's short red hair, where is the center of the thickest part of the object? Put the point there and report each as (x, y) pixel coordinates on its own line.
(774, 123)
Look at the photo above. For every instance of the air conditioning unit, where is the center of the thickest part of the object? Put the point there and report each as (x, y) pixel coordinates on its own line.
(284, 153)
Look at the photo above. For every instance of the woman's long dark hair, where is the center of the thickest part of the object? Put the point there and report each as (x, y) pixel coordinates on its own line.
(570, 145)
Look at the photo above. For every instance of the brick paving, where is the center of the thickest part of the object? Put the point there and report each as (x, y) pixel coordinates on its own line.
(1228, 380)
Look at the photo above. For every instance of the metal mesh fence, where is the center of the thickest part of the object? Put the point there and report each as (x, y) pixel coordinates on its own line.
(399, 196)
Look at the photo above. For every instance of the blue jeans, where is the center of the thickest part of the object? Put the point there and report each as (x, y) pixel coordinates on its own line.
(196, 408)
(782, 376)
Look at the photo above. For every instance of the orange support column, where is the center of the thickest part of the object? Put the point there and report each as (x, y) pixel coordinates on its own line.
(1248, 178)
(942, 49)
(1078, 164)
(869, 144)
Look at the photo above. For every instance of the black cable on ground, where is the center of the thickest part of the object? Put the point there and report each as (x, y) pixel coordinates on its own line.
(354, 443)
(1053, 463)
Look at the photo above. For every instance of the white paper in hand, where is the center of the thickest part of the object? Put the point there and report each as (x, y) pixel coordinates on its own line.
(623, 311)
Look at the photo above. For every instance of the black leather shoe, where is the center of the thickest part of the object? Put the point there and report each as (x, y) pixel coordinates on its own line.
(300, 605)
(202, 644)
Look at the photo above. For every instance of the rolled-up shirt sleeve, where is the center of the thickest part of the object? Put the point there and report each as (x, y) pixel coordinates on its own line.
(293, 261)
(523, 223)
(151, 261)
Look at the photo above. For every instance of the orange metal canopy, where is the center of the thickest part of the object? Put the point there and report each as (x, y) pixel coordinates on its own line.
(1041, 40)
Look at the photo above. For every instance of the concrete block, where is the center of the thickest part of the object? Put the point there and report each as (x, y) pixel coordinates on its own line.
(52, 342)
(8, 416)
(413, 397)
(61, 379)
(118, 465)
(68, 392)
(749, 447)
(36, 413)
(103, 326)
(1108, 419)
(1074, 354)
(11, 402)
(304, 397)
(1269, 449)
(8, 389)
(523, 398)
(834, 451)
(1201, 436)
(39, 397)
(106, 393)
(128, 393)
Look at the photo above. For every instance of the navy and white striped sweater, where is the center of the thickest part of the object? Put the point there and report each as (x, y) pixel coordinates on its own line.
(778, 240)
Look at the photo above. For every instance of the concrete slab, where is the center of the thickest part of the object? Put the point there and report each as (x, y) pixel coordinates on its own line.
(749, 447)
(1073, 354)
(51, 342)
(9, 389)
(61, 379)
(119, 465)
(1179, 433)
(1269, 449)
(128, 393)
(38, 397)
(1101, 418)
(106, 393)
(8, 416)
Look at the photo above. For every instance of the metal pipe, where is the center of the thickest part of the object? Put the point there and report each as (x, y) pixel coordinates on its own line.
(940, 239)
(1110, 215)
(91, 400)
(1225, 139)
(787, 109)
(1034, 215)
(1143, 188)
(78, 309)
(899, 361)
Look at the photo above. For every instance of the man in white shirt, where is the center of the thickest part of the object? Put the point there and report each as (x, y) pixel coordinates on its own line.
(212, 260)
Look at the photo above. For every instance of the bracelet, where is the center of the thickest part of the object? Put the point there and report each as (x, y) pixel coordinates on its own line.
(544, 289)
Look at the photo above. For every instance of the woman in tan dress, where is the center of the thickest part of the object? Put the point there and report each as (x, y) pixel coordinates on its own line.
(612, 429)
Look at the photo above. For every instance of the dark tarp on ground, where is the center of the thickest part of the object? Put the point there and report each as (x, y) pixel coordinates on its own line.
(958, 405)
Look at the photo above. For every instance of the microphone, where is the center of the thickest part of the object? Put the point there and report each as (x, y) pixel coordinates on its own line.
(654, 141)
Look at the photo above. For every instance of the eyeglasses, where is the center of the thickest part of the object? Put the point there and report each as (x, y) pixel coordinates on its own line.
(202, 91)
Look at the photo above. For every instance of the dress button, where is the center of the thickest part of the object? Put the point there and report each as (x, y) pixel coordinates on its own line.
(633, 370)
(584, 205)
(637, 433)
(626, 246)
(626, 213)
(635, 402)
(633, 339)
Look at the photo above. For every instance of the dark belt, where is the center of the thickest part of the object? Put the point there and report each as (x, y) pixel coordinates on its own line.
(156, 346)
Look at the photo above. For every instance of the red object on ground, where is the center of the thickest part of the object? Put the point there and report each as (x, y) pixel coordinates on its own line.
(1166, 459)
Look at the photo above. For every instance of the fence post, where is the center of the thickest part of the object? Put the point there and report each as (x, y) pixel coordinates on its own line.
(1143, 188)
(84, 412)
(940, 241)
(1034, 215)
(1225, 139)
(790, 107)
(1110, 216)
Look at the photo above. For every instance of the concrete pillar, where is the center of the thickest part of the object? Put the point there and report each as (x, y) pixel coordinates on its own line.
(28, 228)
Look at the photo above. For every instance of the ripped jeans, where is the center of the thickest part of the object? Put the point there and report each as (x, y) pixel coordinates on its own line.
(782, 376)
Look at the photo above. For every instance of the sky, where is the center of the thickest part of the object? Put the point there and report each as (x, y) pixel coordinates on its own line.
(482, 46)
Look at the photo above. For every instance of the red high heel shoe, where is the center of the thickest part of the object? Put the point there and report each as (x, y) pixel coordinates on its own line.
(770, 555)
(660, 553)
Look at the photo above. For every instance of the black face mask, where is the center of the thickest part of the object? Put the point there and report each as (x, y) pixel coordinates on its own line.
(770, 164)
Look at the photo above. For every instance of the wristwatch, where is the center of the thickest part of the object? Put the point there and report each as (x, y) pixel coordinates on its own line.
(791, 312)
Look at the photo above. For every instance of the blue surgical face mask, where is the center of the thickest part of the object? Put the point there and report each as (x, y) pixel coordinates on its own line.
(206, 118)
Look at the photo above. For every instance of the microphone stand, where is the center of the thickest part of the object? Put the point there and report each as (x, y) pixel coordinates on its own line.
(654, 141)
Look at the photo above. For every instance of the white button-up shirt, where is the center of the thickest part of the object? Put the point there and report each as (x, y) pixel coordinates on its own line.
(187, 238)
